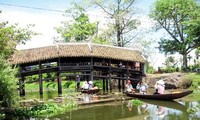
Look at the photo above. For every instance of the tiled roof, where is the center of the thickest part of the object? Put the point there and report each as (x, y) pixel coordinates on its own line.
(75, 50)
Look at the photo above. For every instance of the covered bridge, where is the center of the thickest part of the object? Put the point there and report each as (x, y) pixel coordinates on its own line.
(89, 61)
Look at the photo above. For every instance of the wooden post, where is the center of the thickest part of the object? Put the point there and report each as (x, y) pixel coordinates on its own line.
(127, 74)
(91, 69)
(119, 85)
(143, 68)
(106, 84)
(103, 85)
(59, 78)
(110, 75)
(40, 79)
(21, 86)
(123, 85)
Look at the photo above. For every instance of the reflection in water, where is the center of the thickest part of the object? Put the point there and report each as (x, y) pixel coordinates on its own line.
(86, 98)
(130, 105)
(143, 108)
(126, 110)
(160, 111)
(167, 110)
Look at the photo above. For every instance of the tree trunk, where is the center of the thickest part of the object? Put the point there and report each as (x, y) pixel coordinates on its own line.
(118, 33)
(185, 61)
(118, 25)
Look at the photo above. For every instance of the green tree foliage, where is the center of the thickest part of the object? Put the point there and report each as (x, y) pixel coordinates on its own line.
(197, 53)
(80, 29)
(150, 69)
(170, 62)
(180, 19)
(123, 24)
(8, 84)
(10, 36)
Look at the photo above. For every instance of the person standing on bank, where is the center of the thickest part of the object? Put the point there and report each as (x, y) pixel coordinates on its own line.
(78, 80)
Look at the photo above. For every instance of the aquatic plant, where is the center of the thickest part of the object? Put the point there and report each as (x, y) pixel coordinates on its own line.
(194, 109)
(137, 102)
(2, 116)
(45, 110)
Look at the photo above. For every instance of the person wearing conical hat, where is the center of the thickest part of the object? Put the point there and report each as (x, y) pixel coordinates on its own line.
(160, 87)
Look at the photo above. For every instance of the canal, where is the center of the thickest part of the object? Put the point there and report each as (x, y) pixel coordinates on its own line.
(125, 110)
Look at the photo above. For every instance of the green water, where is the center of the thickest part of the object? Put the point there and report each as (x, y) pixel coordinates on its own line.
(124, 110)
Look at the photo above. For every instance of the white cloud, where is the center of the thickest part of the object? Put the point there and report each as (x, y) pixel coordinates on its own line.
(146, 22)
(46, 21)
(44, 24)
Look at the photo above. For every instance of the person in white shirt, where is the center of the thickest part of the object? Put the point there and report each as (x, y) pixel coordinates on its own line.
(129, 87)
(85, 86)
(91, 85)
(142, 87)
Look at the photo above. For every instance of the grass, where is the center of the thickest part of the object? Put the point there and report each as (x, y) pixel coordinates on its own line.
(194, 78)
(54, 85)
(49, 85)
(195, 84)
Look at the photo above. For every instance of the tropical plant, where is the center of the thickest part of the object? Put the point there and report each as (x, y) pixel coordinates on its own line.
(8, 84)
(137, 102)
(2, 116)
(10, 36)
(80, 28)
(180, 19)
(45, 110)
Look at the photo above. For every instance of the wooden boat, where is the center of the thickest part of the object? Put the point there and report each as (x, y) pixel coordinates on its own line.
(91, 91)
(167, 96)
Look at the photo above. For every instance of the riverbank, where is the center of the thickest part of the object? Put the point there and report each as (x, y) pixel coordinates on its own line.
(172, 80)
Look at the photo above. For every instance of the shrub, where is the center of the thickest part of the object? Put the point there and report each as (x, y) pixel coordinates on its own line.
(8, 84)
(67, 84)
(195, 78)
(45, 110)
(137, 102)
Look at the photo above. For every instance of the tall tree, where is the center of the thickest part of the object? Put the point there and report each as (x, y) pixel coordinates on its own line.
(170, 62)
(197, 53)
(178, 18)
(78, 29)
(122, 14)
(10, 36)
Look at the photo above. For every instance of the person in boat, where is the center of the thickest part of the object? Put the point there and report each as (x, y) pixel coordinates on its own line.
(142, 87)
(160, 87)
(129, 87)
(85, 86)
(90, 85)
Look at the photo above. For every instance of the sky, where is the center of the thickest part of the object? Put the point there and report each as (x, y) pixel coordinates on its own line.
(48, 14)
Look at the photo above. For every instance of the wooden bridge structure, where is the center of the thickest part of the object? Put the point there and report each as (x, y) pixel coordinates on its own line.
(89, 61)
